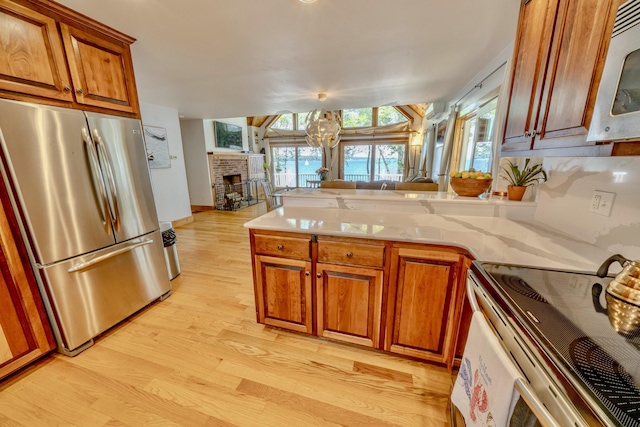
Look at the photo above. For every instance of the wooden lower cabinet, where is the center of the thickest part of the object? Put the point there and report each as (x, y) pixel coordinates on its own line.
(424, 294)
(349, 303)
(400, 297)
(283, 293)
(25, 333)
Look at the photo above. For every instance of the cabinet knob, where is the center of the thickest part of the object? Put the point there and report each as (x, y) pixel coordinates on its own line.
(306, 273)
(534, 133)
(527, 134)
(79, 90)
(280, 247)
(349, 254)
(67, 88)
(318, 275)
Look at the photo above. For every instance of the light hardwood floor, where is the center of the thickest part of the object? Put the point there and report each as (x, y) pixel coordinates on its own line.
(200, 359)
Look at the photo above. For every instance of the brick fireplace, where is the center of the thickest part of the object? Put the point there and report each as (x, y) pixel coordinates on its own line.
(235, 176)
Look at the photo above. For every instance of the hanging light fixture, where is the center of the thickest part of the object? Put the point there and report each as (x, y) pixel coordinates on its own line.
(323, 127)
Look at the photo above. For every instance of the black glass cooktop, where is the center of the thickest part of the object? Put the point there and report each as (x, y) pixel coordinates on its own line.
(567, 313)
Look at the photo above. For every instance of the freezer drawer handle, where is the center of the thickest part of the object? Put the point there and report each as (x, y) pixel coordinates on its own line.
(101, 258)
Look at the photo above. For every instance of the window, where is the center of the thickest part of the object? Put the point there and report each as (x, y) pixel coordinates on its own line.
(389, 116)
(302, 118)
(373, 161)
(284, 122)
(357, 117)
(294, 165)
(477, 138)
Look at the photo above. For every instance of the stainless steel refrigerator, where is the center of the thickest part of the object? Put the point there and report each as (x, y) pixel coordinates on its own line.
(81, 188)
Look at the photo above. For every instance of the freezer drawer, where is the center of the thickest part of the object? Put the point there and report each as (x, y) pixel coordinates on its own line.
(91, 293)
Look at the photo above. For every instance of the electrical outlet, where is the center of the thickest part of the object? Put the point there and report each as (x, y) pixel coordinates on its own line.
(602, 202)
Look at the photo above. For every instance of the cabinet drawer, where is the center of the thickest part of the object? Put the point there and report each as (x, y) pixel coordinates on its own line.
(289, 247)
(351, 253)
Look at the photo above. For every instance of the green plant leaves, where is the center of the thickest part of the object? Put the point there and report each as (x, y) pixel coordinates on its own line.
(529, 175)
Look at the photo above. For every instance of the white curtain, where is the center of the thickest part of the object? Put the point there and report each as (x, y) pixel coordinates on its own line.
(332, 156)
(428, 148)
(443, 175)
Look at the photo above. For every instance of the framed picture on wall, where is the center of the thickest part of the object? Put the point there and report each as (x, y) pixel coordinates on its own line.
(227, 135)
(157, 147)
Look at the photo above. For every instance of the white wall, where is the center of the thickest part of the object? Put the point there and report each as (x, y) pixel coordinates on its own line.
(195, 152)
(169, 184)
(210, 138)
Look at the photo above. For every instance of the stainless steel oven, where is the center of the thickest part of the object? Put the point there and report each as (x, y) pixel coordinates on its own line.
(616, 115)
(554, 328)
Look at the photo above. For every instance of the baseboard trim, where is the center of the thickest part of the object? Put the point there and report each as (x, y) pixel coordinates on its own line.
(182, 221)
(198, 208)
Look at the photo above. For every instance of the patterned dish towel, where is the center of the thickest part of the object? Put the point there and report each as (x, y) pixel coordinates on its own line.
(484, 390)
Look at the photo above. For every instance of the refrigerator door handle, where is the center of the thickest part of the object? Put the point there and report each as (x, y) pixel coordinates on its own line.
(98, 181)
(113, 200)
(99, 259)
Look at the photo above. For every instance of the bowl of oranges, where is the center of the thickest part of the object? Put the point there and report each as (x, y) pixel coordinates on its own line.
(470, 183)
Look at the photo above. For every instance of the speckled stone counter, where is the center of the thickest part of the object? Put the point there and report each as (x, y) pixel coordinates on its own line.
(488, 238)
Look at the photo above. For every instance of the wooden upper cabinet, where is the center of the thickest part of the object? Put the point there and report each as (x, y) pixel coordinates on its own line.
(54, 55)
(579, 47)
(101, 71)
(558, 59)
(32, 60)
(533, 39)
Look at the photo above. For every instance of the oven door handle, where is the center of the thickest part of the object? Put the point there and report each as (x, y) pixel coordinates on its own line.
(523, 387)
(536, 406)
(471, 294)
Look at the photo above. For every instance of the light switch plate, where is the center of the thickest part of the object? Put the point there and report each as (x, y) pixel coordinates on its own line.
(602, 202)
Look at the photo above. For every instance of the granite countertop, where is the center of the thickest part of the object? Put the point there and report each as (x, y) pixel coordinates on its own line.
(491, 239)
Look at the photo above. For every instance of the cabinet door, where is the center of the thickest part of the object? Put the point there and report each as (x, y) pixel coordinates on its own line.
(283, 288)
(580, 41)
(533, 41)
(32, 60)
(421, 318)
(101, 71)
(25, 333)
(349, 303)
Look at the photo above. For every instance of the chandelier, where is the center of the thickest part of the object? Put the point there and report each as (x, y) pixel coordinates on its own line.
(322, 127)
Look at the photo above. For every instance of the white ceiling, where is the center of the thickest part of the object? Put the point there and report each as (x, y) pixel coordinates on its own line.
(237, 58)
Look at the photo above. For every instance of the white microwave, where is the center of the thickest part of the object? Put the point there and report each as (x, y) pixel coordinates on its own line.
(616, 115)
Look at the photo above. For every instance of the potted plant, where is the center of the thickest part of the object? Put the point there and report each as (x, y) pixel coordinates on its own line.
(519, 180)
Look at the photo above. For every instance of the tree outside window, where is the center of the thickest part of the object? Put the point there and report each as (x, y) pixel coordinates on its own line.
(284, 122)
(357, 117)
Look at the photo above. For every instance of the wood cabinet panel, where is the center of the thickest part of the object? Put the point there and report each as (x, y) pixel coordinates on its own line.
(284, 293)
(101, 71)
(533, 39)
(351, 253)
(349, 303)
(56, 56)
(33, 59)
(422, 295)
(281, 246)
(558, 60)
(25, 333)
(580, 42)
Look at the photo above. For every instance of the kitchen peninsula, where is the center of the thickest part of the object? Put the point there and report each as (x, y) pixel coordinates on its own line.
(392, 279)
